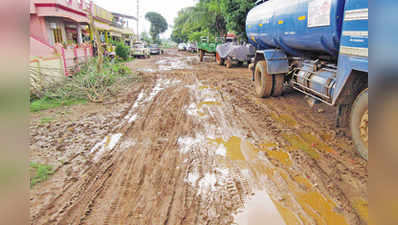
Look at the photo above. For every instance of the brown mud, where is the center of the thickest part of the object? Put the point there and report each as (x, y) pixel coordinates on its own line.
(191, 144)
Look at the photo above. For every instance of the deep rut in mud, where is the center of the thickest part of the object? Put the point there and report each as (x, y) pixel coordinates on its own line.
(194, 146)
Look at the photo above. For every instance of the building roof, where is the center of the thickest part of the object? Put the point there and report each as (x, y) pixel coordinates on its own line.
(124, 16)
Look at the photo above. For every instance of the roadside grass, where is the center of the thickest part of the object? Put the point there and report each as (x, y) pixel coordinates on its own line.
(49, 103)
(39, 173)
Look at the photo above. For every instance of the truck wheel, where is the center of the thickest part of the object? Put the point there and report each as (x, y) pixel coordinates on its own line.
(219, 60)
(262, 80)
(201, 55)
(359, 123)
(278, 85)
(228, 63)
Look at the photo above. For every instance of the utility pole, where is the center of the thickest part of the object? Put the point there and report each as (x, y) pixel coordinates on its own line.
(138, 19)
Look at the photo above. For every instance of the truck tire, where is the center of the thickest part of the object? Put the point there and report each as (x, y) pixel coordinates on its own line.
(359, 123)
(219, 60)
(201, 55)
(263, 82)
(278, 85)
(228, 62)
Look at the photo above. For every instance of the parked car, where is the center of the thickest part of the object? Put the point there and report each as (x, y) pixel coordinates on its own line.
(192, 48)
(154, 49)
(182, 47)
(139, 49)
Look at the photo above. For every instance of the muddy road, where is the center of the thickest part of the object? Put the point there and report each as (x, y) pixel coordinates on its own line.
(191, 144)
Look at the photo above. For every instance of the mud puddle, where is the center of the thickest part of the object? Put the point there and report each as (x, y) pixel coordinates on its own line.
(259, 210)
(177, 63)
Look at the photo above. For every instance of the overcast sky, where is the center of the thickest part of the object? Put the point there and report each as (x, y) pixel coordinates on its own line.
(167, 8)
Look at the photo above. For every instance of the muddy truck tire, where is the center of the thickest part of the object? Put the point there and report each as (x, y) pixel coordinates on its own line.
(263, 82)
(201, 55)
(228, 62)
(359, 123)
(219, 60)
(278, 85)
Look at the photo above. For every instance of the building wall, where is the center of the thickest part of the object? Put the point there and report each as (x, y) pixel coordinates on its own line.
(40, 49)
(38, 27)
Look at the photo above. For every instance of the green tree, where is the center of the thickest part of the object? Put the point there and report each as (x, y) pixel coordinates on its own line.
(235, 13)
(204, 19)
(158, 24)
(211, 18)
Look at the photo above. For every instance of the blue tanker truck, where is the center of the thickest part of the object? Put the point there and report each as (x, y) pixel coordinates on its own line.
(317, 47)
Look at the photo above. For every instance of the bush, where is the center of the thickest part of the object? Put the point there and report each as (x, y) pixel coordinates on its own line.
(122, 51)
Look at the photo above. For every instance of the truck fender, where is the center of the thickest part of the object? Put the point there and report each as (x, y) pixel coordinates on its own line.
(276, 60)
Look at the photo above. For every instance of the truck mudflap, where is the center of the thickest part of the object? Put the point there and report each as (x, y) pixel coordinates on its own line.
(277, 61)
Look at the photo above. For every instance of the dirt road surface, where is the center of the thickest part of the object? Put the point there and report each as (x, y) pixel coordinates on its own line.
(191, 144)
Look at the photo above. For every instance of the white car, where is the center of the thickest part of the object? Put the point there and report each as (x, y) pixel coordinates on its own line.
(139, 49)
(182, 47)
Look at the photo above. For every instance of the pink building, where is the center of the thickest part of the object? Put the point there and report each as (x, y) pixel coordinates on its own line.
(59, 21)
(58, 32)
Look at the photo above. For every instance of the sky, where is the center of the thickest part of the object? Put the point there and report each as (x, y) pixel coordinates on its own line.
(167, 8)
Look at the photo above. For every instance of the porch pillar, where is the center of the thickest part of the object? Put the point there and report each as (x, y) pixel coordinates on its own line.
(79, 34)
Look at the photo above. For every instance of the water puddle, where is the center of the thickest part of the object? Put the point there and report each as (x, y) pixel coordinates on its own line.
(259, 210)
(308, 143)
(281, 156)
(147, 70)
(201, 104)
(231, 147)
(297, 143)
(362, 208)
(107, 144)
(171, 63)
(284, 118)
(322, 210)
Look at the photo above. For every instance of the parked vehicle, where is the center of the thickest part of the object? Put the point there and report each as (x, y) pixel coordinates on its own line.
(182, 47)
(232, 52)
(317, 47)
(192, 48)
(206, 46)
(154, 49)
(140, 49)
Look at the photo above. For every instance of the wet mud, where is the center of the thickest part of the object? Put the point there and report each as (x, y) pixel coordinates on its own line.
(190, 144)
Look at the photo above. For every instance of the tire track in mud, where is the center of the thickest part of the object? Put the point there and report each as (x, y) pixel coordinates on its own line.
(332, 183)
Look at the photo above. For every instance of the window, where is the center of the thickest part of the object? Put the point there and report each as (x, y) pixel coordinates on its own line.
(57, 35)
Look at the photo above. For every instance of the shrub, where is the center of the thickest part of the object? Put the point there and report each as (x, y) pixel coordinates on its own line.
(122, 51)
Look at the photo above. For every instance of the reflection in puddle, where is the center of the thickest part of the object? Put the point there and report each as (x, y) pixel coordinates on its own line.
(301, 204)
(281, 156)
(259, 210)
(232, 147)
(361, 206)
(201, 104)
(107, 144)
(322, 210)
(171, 63)
(298, 143)
(146, 70)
